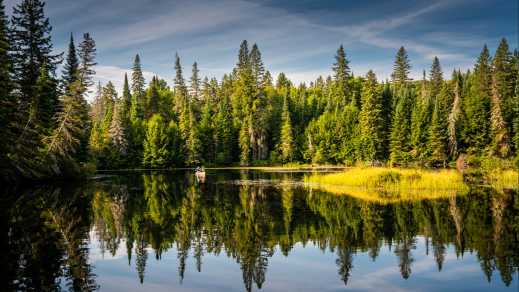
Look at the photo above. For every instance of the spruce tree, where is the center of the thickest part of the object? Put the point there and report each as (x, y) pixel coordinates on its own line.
(181, 96)
(477, 105)
(87, 55)
(341, 72)
(499, 130)
(400, 132)
(193, 143)
(504, 76)
(436, 78)
(224, 144)
(455, 116)
(371, 120)
(401, 68)
(195, 82)
(136, 111)
(44, 104)
(437, 142)
(31, 47)
(258, 69)
(206, 131)
(420, 121)
(70, 69)
(286, 145)
(126, 99)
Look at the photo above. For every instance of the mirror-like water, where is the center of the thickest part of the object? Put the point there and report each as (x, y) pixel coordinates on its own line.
(249, 231)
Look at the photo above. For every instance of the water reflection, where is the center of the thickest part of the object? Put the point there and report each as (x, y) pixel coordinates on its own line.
(45, 231)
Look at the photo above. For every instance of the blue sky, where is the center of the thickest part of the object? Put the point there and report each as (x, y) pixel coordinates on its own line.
(296, 37)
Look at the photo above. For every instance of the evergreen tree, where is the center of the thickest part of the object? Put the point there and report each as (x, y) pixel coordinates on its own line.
(499, 131)
(437, 131)
(436, 78)
(371, 120)
(420, 120)
(44, 104)
(31, 47)
(117, 132)
(127, 100)
(504, 73)
(181, 96)
(195, 82)
(477, 105)
(70, 69)
(87, 55)
(401, 68)
(341, 72)
(152, 100)
(206, 132)
(136, 111)
(455, 116)
(244, 140)
(224, 144)
(286, 146)
(258, 69)
(194, 147)
(156, 143)
(400, 134)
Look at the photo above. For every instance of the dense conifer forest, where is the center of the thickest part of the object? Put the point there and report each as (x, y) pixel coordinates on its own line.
(249, 117)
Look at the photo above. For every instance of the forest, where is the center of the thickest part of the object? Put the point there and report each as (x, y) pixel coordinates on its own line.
(249, 117)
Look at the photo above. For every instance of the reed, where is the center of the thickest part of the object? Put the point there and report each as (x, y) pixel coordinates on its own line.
(503, 179)
(388, 185)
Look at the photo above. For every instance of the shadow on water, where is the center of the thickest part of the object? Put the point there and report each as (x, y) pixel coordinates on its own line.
(247, 216)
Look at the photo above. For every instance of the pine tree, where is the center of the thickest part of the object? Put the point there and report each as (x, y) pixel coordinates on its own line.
(504, 75)
(477, 105)
(224, 144)
(286, 145)
(194, 147)
(436, 78)
(70, 69)
(371, 120)
(244, 140)
(420, 121)
(31, 47)
(181, 96)
(400, 133)
(206, 132)
(156, 143)
(455, 116)
(87, 55)
(437, 142)
(341, 71)
(127, 100)
(136, 111)
(258, 69)
(499, 131)
(44, 104)
(401, 68)
(195, 82)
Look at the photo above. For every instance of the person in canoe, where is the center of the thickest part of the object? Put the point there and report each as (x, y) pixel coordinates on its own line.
(200, 174)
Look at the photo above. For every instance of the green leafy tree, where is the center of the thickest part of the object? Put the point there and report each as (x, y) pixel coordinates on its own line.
(420, 122)
(117, 132)
(195, 82)
(436, 78)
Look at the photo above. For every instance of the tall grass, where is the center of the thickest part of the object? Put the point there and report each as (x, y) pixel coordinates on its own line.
(503, 179)
(391, 184)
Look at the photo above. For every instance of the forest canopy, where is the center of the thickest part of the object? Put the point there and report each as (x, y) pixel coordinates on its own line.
(247, 117)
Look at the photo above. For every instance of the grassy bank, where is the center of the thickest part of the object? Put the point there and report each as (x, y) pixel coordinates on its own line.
(391, 184)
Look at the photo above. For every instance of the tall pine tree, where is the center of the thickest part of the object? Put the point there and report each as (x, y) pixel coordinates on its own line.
(371, 120)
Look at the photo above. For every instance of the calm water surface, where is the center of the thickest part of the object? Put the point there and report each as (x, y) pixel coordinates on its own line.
(250, 231)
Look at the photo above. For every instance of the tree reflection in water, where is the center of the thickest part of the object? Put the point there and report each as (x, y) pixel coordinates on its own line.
(45, 231)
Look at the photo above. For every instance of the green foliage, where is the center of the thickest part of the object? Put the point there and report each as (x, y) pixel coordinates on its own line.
(401, 68)
(371, 120)
(156, 142)
(401, 129)
(286, 145)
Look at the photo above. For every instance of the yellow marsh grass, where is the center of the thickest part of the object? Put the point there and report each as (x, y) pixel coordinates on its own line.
(504, 179)
(390, 185)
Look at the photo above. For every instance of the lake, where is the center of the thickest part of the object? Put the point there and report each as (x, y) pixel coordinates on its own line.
(252, 231)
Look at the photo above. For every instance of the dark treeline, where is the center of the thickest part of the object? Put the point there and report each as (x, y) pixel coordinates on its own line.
(246, 117)
(246, 222)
